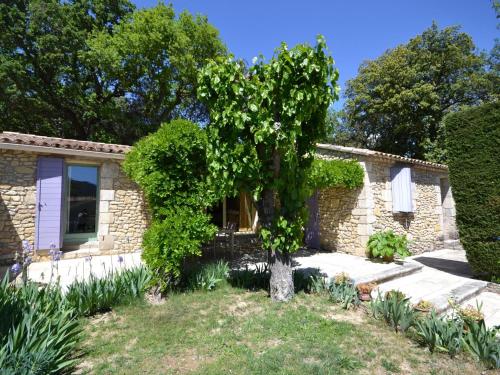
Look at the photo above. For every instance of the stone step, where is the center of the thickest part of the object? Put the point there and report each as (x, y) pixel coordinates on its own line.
(405, 269)
(81, 253)
(434, 286)
(453, 244)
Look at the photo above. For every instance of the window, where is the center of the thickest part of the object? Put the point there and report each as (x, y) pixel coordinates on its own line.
(81, 199)
(402, 198)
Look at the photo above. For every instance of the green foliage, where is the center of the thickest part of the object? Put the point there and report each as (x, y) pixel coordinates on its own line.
(264, 124)
(99, 69)
(208, 276)
(171, 168)
(255, 278)
(473, 141)
(39, 334)
(169, 241)
(386, 244)
(89, 297)
(397, 102)
(335, 173)
(440, 334)
(396, 311)
(483, 343)
(345, 293)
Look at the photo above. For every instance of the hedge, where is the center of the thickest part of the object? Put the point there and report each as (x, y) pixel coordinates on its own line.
(473, 146)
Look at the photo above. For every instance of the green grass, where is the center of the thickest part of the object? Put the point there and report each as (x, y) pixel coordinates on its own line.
(231, 331)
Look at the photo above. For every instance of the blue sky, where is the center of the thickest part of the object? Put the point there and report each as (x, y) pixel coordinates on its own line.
(355, 30)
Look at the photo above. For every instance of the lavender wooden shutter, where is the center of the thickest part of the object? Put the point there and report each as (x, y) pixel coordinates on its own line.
(312, 229)
(402, 200)
(49, 190)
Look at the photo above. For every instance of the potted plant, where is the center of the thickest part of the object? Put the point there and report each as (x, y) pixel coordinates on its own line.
(399, 295)
(385, 245)
(364, 291)
(423, 306)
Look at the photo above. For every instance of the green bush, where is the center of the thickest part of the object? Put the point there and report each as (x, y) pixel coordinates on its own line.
(336, 173)
(483, 343)
(386, 244)
(89, 297)
(344, 292)
(39, 332)
(473, 144)
(171, 168)
(396, 311)
(208, 276)
(440, 334)
(168, 242)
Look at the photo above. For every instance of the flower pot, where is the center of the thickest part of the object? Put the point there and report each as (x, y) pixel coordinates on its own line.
(365, 297)
(389, 258)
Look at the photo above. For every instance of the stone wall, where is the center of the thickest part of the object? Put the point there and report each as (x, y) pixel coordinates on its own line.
(348, 218)
(17, 201)
(123, 216)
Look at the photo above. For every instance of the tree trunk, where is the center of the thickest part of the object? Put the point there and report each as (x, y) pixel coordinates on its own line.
(281, 283)
(280, 264)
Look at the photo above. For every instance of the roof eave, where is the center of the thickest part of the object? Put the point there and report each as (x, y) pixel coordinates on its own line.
(61, 151)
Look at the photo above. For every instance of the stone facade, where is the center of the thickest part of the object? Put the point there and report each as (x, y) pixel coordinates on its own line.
(348, 218)
(123, 216)
(17, 200)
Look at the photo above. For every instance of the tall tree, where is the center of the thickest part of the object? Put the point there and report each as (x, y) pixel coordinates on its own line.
(397, 102)
(97, 69)
(264, 125)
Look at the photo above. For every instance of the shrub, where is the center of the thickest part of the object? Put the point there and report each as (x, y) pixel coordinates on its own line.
(440, 333)
(251, 278)
(483, 343)
(336, 172)
(208, 276)
(343, 291)
(39, 333)
(89, 297)
(472, 142)
(386, 244)
(396, 311)
(170, 166)
(169, 241)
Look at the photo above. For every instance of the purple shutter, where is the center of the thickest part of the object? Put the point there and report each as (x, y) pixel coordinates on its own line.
(402, 200)
(49, 190)
(312, 229)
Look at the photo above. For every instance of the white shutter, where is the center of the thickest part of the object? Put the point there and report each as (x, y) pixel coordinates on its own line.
(402, 200)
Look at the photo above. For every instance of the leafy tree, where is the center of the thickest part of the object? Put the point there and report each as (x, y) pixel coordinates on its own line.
(97, 69)
(171, 168)
(152, 60)
(397, 102)
(264, 124)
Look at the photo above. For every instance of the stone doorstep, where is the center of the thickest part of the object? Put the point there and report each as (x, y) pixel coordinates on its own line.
(460, 294)
(407, 268)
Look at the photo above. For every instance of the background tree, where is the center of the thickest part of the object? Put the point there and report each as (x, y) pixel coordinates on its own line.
(97, 69)
(264, 124)
(397, 102)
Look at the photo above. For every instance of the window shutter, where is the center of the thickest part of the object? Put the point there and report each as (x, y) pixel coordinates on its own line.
(49, 190)
(402, 200)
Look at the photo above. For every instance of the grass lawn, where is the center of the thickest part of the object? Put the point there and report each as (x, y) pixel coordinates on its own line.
(231, 331)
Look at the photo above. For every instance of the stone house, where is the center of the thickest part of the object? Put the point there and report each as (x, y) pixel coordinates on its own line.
(73, 195)
(69, 194)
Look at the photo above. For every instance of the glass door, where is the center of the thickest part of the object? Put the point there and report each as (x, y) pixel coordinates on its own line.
(81, 203)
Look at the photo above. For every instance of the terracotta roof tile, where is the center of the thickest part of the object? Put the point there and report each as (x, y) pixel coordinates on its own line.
(72, 144)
